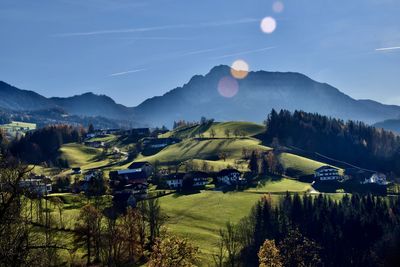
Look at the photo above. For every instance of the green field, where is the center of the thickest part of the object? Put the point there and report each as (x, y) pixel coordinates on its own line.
(304, 165)
(205, 149)
(200, 216)
(244, 128)
(279, 186)
(82, 156)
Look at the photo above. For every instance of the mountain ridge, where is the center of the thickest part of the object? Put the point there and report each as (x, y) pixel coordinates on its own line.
(258, 93)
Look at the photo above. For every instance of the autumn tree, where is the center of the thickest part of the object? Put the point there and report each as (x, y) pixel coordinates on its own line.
(212, 133)
(269, 255)
(87, 232)
(227, 132)
(173, 251)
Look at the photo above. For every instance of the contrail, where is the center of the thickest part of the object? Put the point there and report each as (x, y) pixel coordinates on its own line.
(387, 48)
(126, 72)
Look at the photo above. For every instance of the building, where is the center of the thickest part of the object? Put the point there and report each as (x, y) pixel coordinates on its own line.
(142, 166)
(17, 128)
(95, 144)
(127, 179)
(376, 178)
(200, 179)
(174, 180)
(40, 185)
(327, 173)
(76, 170)
(229, 177)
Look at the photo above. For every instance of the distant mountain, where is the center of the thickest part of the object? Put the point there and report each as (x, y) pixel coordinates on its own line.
(16, 99)
(392, 125)
(258, 93)
(89, 104)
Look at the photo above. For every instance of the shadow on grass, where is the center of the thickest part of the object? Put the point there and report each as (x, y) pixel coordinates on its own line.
(186, 193)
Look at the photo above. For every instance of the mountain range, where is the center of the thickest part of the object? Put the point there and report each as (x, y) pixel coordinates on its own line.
(257, 94)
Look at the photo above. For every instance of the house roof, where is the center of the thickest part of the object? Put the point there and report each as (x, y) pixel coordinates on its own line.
(175, 176)
(326, 167)
(139, 164)
(128, 175)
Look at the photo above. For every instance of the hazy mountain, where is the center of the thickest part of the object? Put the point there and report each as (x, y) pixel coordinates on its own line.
(258, 93)
(89, 104)
(392, 125)
(16, 99)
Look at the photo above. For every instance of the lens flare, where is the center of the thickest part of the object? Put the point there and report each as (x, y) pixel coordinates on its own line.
(228, 86)
(268, 25)
(278, 7)
(240, 69)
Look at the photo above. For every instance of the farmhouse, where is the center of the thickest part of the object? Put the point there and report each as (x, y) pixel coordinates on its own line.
(95, 144)
(40, 185)
(76, 170)
(159, 142)
(326, 173)
(376, 178)
(200, 179)
(229, 176)
(174, 180)
(142, 166)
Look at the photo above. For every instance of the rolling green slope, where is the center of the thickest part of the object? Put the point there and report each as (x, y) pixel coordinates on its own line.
(79, 155)
(245, 129)
(204, 149)
(304, 165)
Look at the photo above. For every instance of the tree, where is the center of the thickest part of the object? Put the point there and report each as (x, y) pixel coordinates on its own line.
(268, 255)
(91, 128)
(212, 133)
(298, 250)
(130, 223)
(59, 204)
(253, 163)
(154, 217)
(173, 251)
(236, 132)
(87, 232)
(227, 132)
(223, 155)
(230, 238)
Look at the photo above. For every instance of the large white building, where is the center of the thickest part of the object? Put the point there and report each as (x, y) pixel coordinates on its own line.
(326, 173)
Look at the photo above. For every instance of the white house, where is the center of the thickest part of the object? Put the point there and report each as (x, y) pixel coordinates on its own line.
(38, 185)
(327, 173)
(229, 176)
(376, 178)
(174, 180)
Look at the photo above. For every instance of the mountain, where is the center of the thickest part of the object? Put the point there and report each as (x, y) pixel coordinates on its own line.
(392, 125)
(258, 93)
(16, 99)
(89, 104)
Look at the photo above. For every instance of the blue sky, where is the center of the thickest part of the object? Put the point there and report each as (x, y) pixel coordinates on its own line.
(135, 49)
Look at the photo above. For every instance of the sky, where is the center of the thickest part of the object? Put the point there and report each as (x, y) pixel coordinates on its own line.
(131, 50)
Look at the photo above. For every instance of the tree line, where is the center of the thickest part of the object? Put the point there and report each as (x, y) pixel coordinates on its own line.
(315, 231)
(43, 144)
(352, 142)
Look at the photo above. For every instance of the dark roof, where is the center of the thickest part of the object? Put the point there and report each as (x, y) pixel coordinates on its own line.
(114, 175)
(198, 174)
(325, 167)
(175, 176)
(227, 172)
(139, 164)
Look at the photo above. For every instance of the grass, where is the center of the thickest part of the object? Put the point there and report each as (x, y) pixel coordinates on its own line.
(204, 149)
(280, 186)
(200, 216)
(82, 156)
(304, 165)
(245, 128)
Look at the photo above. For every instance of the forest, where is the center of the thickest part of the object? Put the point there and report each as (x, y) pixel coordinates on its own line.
(352, 142)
